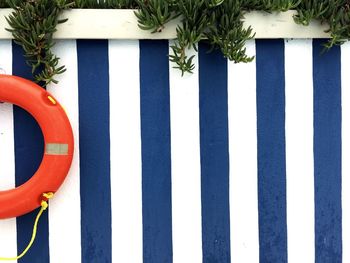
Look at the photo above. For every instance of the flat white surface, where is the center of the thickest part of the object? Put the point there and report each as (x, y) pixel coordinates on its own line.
(8, 230)
(7, 160)
(126, 169)
(299, 151)
(64, 209)
(122, 24)
(345, 60)
(243, 160)
(4, 12)
(282, 25)
(185, 165)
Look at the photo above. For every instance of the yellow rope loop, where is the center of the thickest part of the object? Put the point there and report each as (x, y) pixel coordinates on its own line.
(44, 206)
(48, 195)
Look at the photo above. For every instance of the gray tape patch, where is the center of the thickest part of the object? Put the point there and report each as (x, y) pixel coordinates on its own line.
(56, 149)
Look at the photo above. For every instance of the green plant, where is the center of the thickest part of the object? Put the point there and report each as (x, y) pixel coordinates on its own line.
(155, 14)
(33, 23)
(3, 4)
(334, 12)
(220, 23)
(113, 4)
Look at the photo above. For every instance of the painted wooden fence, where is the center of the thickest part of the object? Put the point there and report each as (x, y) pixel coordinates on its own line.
(235, 163)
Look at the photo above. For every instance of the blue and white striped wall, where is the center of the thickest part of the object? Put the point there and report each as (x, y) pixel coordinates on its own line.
(236, 163)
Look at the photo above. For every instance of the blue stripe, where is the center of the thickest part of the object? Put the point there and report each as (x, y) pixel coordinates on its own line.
(95, 189)
(156, 163)
(271, 150)
(29, 147)
(214, 156)
(327, 153)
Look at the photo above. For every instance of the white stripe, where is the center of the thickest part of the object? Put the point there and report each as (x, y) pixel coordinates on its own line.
(8, 230)
(299, 151)
(243, 160)
(125, 136)
(7, 159)
(345, 60)
(64, 210)
(185, 163)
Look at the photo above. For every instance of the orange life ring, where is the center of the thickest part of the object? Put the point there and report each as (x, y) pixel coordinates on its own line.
(59, 145)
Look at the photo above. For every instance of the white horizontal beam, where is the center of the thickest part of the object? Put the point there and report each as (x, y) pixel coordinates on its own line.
(122, 24)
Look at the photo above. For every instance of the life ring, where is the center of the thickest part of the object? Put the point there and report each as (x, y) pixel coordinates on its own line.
(59, 145)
